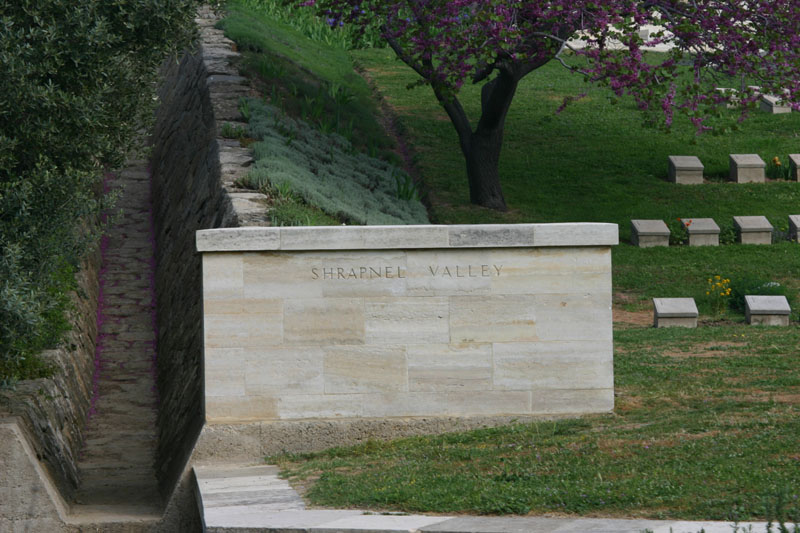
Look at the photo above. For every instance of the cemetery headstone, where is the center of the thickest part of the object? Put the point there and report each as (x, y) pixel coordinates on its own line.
(753, 229)
(794, 225)
(674, 312)
(685, 169)
(773, 104)
(648, 233)
(767, 310)
(794, 163)
(702, 231)
(747, 168)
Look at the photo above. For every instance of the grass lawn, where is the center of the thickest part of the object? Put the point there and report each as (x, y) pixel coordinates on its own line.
(706, 422)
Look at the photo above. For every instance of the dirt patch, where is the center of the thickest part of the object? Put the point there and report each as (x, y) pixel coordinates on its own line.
(707, 350)
(764, 396)
(633, 318)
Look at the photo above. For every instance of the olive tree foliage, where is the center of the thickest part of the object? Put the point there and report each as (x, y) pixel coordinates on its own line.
(498, 42)
(76, 77)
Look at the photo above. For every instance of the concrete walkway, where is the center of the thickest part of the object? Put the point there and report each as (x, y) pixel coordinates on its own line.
(116, 463)
(238, 498)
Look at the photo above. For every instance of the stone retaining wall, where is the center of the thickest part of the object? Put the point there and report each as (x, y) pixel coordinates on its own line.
(194, 174)
(51, 412)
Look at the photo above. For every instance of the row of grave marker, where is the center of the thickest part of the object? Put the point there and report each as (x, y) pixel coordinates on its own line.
(744, 168)
(759, 310)
(769, 103)
(705, 232)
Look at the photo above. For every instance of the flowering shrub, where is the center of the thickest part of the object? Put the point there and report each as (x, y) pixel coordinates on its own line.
(776, 170)
(718, 293)
(678, 230)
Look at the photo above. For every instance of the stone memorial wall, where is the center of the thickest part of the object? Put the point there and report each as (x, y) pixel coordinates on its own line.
(412, 321)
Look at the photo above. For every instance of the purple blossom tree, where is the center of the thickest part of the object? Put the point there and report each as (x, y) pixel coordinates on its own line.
(498, 42)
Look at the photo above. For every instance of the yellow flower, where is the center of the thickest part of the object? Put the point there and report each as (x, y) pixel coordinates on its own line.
(707, 293)
(717, 277)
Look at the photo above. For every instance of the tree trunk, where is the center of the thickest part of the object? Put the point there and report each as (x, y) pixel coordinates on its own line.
(483, 158)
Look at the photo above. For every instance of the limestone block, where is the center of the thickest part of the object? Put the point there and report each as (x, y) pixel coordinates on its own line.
(223, 276)
(649, 233)
(326, 274)
(451, 272)
(548, 271)
(241, 239)
(407, 320)
(449, 403)
(227, 381)
(323, 321)
(449, 367)
(794, 162)
(794, 224)
(360, 237)
(245, 325)
(308, 406)
(364, 369)
(773, 105)
(574, 317)
(576, 234)
(221, 409)
(553, 365)
(685, 169)
(279, 371)
(753, 229)
(767, 310)
(674, 312)
(490, 319)
(573, 401)
(747, 168)
(491, 235)
(702, 231)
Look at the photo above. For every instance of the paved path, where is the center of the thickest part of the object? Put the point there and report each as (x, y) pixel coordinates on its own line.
(116, 463)
(240, 498)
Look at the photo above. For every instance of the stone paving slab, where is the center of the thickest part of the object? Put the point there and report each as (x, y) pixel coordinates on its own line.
(227, 514)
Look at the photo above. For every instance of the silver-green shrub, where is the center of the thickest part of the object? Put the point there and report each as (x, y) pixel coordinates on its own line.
(326, 172)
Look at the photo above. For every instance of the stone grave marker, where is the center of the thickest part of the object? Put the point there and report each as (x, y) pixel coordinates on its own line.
(674, 312)
(767, 310)
(702, 231)
(794, 225)
(648, 233)
(774, 105)
(685, 169)
(794, 162)
(753, 229)
(747, 168)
